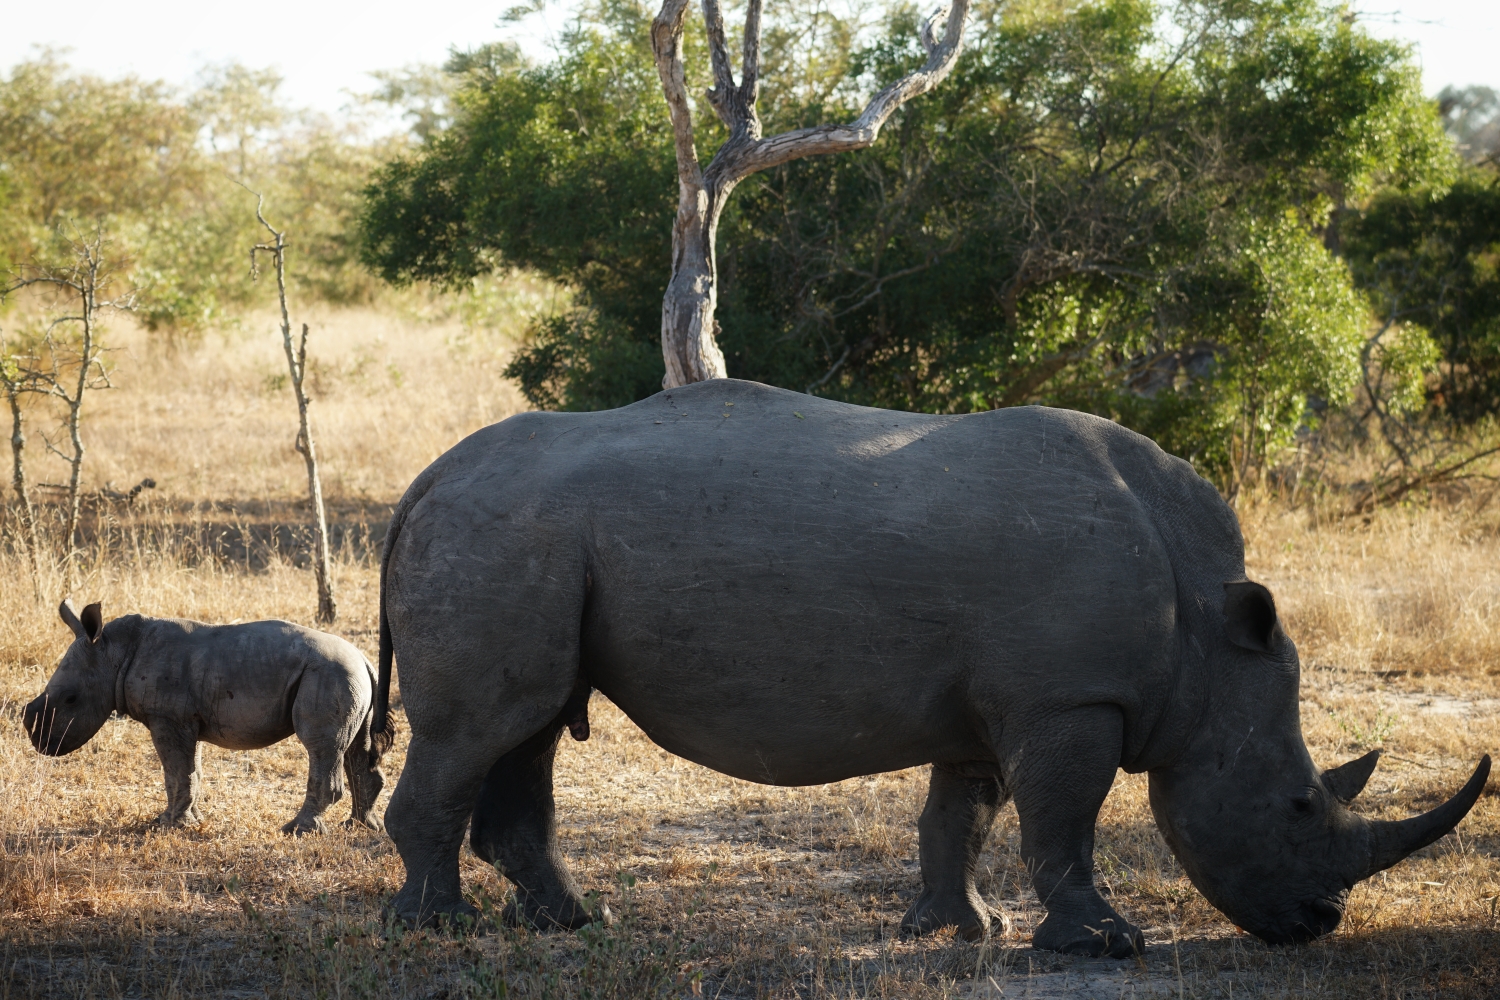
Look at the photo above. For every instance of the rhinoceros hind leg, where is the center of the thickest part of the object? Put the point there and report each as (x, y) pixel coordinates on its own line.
(515, 829)
(426, 818)
(325, 778)
(1059, 785)
(182, 766)
(961, 805)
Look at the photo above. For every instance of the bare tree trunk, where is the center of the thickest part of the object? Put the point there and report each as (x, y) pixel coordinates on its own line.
(328, 609)
(689, 341)
(13, 392)
(296, 360)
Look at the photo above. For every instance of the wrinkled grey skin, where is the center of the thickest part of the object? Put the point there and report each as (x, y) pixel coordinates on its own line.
(796, 591)
(241, 687)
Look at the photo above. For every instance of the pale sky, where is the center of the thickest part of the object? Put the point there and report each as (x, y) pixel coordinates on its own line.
(323, 50)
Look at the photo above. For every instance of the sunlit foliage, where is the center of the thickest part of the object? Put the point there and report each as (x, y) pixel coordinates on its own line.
(166, 174)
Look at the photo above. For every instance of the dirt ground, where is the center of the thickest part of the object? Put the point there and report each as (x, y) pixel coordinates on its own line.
(723, 888)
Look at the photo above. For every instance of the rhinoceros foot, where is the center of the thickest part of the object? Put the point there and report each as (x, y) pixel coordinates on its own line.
(1102, 937)
(564, 912)
(177, 820)
(934, 910)
(415, 911)
(369, 819)
(304, 824)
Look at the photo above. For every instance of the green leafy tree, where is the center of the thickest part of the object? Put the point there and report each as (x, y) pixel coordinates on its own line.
(1121, 206)
(159, 170)
(1430, 259)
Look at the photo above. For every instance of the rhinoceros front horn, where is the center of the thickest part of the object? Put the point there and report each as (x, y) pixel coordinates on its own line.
(1393, 841)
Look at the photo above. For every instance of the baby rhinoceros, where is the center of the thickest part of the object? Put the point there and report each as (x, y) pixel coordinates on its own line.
(241, 687)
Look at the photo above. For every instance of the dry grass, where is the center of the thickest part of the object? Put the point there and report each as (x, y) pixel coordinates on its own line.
(727, 888)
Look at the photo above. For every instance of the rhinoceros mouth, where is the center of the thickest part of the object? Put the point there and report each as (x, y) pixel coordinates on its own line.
(46, 735)
(1310, 920)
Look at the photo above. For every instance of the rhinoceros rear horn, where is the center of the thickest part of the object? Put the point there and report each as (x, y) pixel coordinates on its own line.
(1393, 841)
(1348, 780)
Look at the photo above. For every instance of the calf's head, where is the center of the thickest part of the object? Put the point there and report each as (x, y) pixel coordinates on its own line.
(81, 692)
(1264, 835)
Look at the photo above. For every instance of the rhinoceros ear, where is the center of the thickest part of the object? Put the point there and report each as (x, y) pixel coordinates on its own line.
(1250, 616)
(70, 619)
(93, 621)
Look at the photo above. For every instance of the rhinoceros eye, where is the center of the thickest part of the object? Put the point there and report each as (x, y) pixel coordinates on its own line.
(1302, 803)
(71, 699)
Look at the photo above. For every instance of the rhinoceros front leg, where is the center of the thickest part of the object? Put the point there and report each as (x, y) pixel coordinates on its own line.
(961, 805)
(181, 764)
(515, 829)
(1063, 771)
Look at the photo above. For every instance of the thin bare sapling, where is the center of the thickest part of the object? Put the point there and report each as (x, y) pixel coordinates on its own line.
(296, 359)
(689, 345)
(19, 375)
(71, 359)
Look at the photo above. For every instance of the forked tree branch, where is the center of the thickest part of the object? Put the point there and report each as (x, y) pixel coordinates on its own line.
(689, 343)
(746, 152)
(666, 43)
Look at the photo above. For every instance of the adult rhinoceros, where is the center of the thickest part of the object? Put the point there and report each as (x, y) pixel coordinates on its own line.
(795, 591)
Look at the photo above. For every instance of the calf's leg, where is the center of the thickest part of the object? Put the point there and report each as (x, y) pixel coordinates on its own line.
(325, 786)
(1066, 763)
(962, 801)
(324, 723)
(365, 778)
(181, 765)
(515, 829)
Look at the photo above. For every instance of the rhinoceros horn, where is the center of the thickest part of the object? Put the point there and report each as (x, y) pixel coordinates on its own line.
(1393, 841)
(1348, 780)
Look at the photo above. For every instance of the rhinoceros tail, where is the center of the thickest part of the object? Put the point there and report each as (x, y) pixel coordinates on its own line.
(382, 740)
(381, 727)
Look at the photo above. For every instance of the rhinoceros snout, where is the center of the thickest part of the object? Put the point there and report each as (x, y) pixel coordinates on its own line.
(41, 722)
(1322, 916)
(1310, 920)
(31, 718)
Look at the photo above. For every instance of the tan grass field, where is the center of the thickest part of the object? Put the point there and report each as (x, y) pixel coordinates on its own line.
(725, 888)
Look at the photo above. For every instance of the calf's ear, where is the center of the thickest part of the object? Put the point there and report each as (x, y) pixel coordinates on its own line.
(1250, 616)
(70, 619)
(93, 621)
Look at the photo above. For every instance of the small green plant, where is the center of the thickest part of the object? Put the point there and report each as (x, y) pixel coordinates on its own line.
(1361, 736)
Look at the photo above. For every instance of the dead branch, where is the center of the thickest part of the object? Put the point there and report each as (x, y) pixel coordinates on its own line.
(296, 360)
